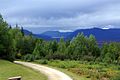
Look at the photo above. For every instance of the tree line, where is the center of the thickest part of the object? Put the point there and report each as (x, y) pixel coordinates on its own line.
(15, 45)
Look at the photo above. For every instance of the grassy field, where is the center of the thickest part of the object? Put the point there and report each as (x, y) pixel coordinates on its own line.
(81, 70)
(8, 69)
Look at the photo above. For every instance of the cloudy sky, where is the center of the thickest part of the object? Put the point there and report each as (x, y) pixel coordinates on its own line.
(64, 15)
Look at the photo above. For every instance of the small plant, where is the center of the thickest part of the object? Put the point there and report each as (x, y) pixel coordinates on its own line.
(117, 77)
(28, 57)
(44, 61)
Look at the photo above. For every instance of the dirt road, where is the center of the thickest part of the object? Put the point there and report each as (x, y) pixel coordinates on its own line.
(52, 74)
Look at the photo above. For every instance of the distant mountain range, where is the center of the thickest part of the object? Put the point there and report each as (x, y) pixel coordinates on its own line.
(42, 36)
(100, 34)
(56, 34)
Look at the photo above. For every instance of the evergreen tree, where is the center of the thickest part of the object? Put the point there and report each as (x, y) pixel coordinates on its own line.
(93, 47)
(22, 31)
(6, 46)
(61, 46)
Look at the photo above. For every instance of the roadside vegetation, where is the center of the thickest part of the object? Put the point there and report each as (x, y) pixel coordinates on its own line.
(81, 55)
(85, 70)
(8, 69)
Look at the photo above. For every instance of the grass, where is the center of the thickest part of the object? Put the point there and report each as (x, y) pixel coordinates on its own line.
(8, 69)
(82, 70)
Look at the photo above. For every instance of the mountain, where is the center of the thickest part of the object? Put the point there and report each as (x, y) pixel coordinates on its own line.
(100, 34)
(26, 32)
(45, 37)
(56, 34)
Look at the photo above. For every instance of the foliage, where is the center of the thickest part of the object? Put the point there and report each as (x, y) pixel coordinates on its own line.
(44, 61)
(6, 47)
(28, 57)
(91, 70)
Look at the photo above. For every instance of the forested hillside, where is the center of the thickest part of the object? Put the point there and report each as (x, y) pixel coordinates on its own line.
(15, 45)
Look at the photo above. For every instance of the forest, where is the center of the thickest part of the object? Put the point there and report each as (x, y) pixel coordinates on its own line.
(15, 45)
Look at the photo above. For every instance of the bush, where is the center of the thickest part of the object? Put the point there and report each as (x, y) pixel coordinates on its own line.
(18, 55)
(10, 57)
(89, 58)
(42, 61)
(117, 77)
(56, 56)
(28, 57)
(63, 64)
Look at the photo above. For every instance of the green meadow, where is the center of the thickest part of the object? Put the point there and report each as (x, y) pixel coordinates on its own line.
(8, 69)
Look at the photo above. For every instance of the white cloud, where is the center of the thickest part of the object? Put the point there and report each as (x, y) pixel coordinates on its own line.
(65, 30)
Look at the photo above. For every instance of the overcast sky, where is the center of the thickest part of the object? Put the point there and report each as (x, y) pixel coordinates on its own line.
(64, 15)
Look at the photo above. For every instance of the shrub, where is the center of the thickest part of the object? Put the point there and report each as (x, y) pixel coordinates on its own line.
(88, 58)
(64, 64)
(28, 57)
(42, 61)
(18, 55)
(117, 77)
(56, 56)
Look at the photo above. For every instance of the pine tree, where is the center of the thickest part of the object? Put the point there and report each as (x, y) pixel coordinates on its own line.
(22, 31)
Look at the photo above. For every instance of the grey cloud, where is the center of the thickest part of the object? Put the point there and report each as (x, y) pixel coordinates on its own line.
(67, 14)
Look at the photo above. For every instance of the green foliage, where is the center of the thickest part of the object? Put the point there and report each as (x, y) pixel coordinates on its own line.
(110, 52)
(91, 70)
(92, 46)
(83, 46)
(58, 63)
(28, 57)
(6, 42)
(117, 77)
(40, 49)
(44, 61)
(61, 46)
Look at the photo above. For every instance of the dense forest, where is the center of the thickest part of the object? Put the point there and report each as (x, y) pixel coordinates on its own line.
(15, 45)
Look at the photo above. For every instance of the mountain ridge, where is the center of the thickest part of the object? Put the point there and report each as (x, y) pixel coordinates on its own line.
(100, 34)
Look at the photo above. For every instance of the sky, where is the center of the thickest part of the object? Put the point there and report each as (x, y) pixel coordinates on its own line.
(63, 15)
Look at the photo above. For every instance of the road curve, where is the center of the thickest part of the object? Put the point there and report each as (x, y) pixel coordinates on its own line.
(52, 74)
